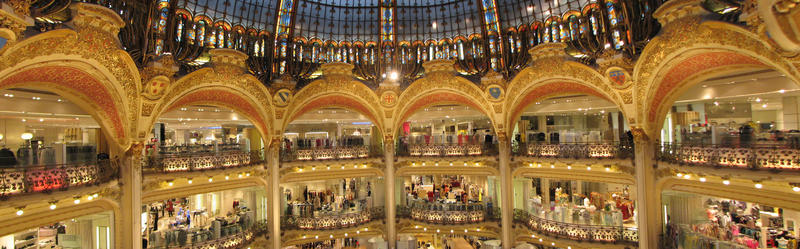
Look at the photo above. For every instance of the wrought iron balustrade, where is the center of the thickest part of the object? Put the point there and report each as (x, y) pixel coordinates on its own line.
(579, 150)
(47, 178)
(236, 240)
(337, 221)
(454, 149)
(330, 153)
(578, 232)
(202, 161)
(447, 214)
(773, 156)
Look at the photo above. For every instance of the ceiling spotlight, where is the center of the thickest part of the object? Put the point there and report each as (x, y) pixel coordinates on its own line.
(393, 76)
(726, 182)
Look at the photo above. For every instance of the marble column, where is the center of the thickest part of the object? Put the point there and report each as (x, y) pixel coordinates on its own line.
(274, 206)
(544, 189)
(131, 197)
(506, 192)
(388, 155)
(648, 204)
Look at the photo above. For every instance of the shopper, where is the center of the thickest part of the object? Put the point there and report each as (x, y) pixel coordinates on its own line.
(170, 208)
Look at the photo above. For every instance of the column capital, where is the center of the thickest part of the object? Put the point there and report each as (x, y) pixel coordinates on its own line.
(640, 135)
(12, 22)
(92, 16)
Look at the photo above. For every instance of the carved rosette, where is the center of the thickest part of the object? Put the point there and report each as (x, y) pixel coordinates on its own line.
(157, 76)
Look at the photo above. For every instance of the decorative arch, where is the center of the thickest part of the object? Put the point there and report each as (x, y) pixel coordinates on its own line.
(335, 92)
(93, 73)
(554, 77)
(689, 52)
(243, 94)
(430, 91)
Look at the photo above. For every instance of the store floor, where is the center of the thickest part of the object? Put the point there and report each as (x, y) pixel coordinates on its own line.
(460, 243)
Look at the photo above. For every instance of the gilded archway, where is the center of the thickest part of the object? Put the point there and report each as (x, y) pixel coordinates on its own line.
(93, 73)
(551, 76)
(210, 86)
(690, 51)
(335, 91)
(438, 89)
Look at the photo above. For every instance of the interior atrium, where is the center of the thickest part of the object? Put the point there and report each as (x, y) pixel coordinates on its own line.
(399, 124)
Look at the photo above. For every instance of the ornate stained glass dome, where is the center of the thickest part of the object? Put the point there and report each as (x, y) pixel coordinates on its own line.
(291, 38)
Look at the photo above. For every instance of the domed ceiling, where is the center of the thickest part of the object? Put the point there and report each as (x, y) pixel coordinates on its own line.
(289, 39)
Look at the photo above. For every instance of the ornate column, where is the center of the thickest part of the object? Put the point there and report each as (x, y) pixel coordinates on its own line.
(506, 190)
(14, 18)
(130, 167)
(273, 193)
(388, 155)
(648, 204)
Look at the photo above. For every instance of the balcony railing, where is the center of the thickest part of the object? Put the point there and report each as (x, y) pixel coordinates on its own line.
(579, 150)
(45, 179)
(233, 237)
(337, 221)
(578, 232)
(330, 153)
(183, 162)
(753, 156)
(448, 214)
(436, 150)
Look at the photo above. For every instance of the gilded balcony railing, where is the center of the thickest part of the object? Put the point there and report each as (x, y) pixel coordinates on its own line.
(182, 162)
(453, 149)
(579, 150)
(48, 178)
(232, 237)
(772, 156)
(334, 221)
(447, 214)
(578, 232)
(330, 153)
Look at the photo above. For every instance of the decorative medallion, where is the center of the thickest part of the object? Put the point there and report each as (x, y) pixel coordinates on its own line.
(389, 98)
(619, 76)
(496, 92)
(282, 97)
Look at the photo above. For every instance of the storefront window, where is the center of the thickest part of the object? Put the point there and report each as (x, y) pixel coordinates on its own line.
(700, 221)
(91, 231)
(736, 111)
(580, 119)
(228, 217)
(576, 202)
(35, 133)
(331, 133)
